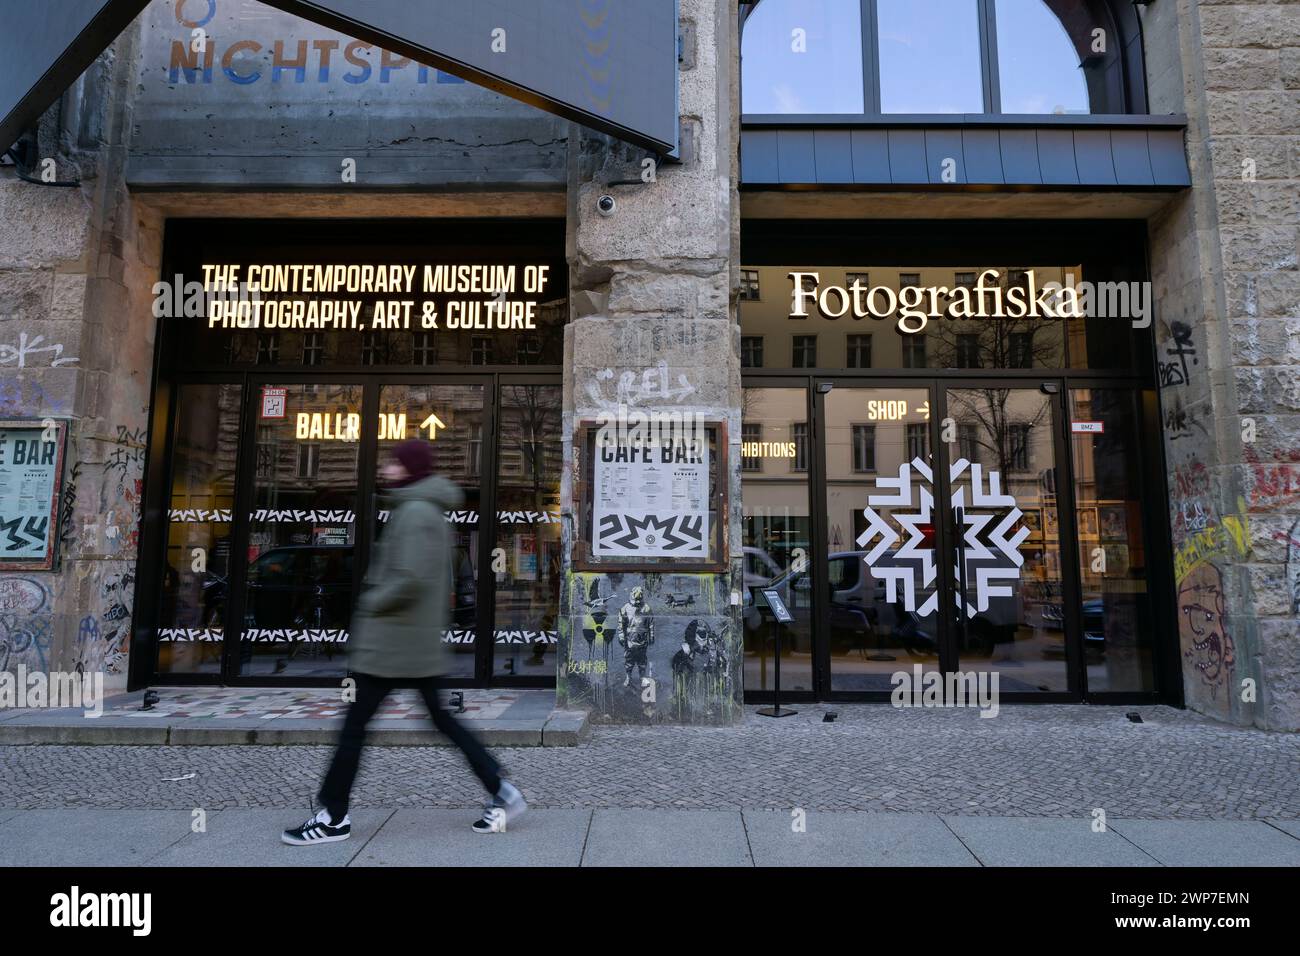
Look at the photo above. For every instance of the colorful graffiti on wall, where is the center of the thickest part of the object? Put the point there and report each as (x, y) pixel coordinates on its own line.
(1207, 648)
(26, 619)
(650, 647)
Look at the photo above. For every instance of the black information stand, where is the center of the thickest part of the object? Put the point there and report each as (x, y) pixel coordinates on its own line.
(780, 615)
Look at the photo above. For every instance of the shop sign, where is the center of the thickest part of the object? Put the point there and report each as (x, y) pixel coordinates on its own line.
(31, 473)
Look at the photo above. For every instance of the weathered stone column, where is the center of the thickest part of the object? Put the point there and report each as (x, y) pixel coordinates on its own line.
(653, 329)
(1224, 265)
(76, 344)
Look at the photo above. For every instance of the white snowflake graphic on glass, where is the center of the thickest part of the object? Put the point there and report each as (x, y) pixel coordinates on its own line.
(899, 537)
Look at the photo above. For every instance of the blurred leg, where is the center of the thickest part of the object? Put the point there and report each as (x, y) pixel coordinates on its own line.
(480, 761)
(337, 786)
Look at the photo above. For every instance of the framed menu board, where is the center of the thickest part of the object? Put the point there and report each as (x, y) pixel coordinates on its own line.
(31, 481)
(652, 499)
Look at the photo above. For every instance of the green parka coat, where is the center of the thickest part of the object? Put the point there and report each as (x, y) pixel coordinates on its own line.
(400, 616)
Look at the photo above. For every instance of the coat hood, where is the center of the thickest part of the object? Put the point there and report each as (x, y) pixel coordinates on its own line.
(435, 489)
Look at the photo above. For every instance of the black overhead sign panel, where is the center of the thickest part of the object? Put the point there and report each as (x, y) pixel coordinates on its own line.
(45, 46)
(608, 64)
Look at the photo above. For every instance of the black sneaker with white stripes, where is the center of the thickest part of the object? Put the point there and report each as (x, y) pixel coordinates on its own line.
(507, 805)
(319, 829)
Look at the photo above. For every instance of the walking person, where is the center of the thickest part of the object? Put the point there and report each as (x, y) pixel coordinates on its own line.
(396, 640)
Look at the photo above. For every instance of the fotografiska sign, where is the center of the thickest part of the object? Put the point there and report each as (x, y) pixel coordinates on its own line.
(915, 306)
(608, 64)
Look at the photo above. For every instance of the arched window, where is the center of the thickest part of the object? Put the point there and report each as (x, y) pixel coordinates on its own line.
(941, 56)
(1038, 67)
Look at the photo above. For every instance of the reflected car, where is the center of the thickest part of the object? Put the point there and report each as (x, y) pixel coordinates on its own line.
(300, 586)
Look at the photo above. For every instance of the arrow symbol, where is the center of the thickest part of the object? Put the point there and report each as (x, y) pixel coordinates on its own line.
(433, 423)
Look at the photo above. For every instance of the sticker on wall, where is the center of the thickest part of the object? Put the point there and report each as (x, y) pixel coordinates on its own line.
(275, 402)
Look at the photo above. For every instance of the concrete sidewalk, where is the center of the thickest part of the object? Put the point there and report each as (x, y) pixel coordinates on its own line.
(617, 837)
(215, 716)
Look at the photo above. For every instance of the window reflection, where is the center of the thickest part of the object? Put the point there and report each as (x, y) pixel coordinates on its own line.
(929, 56)
(803, 56)
(777, 535)
(1038, 68)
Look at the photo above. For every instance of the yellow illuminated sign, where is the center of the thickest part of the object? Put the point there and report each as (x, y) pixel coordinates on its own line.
(346, 426)
(767, 449)
(480, 297)
(888, 410)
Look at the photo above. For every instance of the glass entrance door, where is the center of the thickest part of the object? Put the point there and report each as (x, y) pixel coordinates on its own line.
(942, 538)
(881, 560)
(1000, 449)
(275, 503)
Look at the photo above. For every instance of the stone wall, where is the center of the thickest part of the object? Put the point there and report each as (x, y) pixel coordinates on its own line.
(1224, 262)
(653, 331)
(75, 276)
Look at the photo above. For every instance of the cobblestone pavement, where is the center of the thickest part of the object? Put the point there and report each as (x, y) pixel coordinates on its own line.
(1043, 760)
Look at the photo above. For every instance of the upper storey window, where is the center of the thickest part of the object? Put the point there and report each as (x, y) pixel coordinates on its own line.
(1038, 68)
(871, 57)
(807, 59)
(929, 56)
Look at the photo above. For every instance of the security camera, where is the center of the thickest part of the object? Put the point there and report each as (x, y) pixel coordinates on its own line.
(605, 205)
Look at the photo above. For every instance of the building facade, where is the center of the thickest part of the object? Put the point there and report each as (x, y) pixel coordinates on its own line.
(974, 326)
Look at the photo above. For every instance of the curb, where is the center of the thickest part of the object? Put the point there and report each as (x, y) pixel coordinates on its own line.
(559, 729)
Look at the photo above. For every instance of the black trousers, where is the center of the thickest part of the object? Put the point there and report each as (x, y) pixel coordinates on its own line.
(371, 691)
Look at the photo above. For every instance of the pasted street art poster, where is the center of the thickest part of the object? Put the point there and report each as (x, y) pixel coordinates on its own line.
(31, 465)
(650, 496)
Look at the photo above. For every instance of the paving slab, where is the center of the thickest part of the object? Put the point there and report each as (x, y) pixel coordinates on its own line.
(1212, 842)
(667, 838)
(1025, 841)
(1290, 826)
(444, 838)
(854, 839)
(89, 837)
(252, 838)
(9, 814)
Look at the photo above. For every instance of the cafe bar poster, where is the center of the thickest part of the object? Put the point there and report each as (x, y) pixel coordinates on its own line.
(651, 497)
(31, 465)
